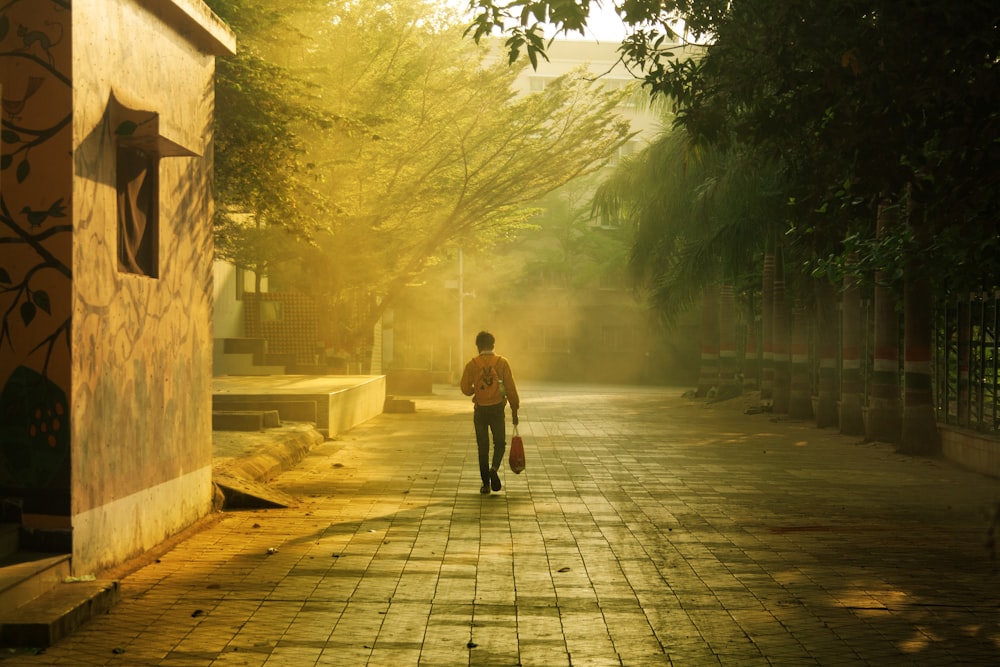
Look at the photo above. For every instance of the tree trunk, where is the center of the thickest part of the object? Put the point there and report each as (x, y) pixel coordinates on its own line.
(800, 393)
(780, 340)
(919, 431)
(708, 377)
(767, 332)
(883, 423)
(751, 362)
(851, 419)
(728, 384)
(826, 343)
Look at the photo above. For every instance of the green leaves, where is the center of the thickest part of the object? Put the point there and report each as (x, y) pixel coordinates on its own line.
(381, 140)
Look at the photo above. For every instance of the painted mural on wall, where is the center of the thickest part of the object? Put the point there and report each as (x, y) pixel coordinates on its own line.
(35, 252)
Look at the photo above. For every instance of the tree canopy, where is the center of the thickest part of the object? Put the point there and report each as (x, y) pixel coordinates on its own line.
(858, 102)
(399, 140)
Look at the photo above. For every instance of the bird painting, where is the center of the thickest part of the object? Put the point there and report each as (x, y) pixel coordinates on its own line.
(14, 107)
(38, 218)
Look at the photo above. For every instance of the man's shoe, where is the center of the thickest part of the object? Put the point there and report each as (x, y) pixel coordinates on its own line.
(485, 489)
(494, 480)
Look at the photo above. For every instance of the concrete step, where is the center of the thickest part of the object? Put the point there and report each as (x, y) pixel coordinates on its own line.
(56, 613)
(242, 364)
(289, 408)
(25, 576)
(244, 420)
(256, 347)
(241, 356)
(334, 403)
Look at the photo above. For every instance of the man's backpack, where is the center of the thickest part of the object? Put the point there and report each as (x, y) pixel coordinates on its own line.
(488, 386)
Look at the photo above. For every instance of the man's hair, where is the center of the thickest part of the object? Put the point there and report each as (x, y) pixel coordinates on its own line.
(485, 341)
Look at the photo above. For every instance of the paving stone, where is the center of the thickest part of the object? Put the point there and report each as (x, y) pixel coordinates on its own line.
(647, 529)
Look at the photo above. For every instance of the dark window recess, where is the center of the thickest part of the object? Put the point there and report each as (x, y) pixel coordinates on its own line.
(138, 211)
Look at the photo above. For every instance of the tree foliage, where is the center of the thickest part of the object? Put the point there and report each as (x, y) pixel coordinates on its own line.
(699, 214)
(857, 101)
(261, 107)
(405, 140)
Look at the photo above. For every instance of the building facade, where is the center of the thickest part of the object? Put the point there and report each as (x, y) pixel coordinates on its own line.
(106, 271)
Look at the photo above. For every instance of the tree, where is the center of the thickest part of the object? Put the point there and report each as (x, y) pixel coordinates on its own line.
(862, 103)
(264, 189)
(698, 216)
(862, 98)
(416, 142)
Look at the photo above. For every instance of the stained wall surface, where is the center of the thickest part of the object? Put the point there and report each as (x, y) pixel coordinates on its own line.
(141, 363)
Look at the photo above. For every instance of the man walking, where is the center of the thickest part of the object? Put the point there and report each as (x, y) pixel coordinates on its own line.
(488, 379)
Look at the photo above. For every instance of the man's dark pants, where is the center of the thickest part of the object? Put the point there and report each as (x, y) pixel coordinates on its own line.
(489, 418)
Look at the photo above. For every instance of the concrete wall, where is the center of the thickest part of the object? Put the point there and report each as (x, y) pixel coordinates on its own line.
(227, 313)
(141, 368)
(976, 451)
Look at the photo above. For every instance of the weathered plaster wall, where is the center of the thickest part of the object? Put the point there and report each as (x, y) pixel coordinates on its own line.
(227, 311)
(141, 381)
(36, 259)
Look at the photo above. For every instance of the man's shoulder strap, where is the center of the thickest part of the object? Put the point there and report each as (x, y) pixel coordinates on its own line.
(485, 361)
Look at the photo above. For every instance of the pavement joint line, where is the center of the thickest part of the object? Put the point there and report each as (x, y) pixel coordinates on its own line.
(693, 534)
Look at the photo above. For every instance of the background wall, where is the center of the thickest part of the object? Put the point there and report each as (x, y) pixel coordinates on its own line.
(141, 386)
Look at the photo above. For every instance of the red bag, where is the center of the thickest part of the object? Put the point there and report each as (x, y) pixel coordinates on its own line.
(516, 453)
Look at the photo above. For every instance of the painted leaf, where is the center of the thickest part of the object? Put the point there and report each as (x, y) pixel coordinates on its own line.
(11, 137)
(4, 26)
(6, 161)
(4, 277)
(41, 299)
(23, 169)
(126, 128)
(28, 312)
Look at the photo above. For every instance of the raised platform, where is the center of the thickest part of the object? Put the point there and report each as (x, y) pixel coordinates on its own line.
(39, 602)
(335, 403)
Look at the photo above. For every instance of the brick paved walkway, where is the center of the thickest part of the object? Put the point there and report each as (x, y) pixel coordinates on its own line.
(647, 530)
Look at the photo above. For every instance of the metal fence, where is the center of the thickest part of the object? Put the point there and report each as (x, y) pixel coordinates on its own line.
(966, 360)
(967, 375)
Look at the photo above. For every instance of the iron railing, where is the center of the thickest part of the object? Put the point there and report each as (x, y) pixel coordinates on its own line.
(967, 376)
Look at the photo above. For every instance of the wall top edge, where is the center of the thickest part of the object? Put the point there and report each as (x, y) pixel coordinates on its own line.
(195, 21)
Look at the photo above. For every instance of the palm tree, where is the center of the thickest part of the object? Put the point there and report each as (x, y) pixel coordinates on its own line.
(709, 370)
(727, 338)
(780, 339)
(799, 387)
(767, 330)
(699, 217)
